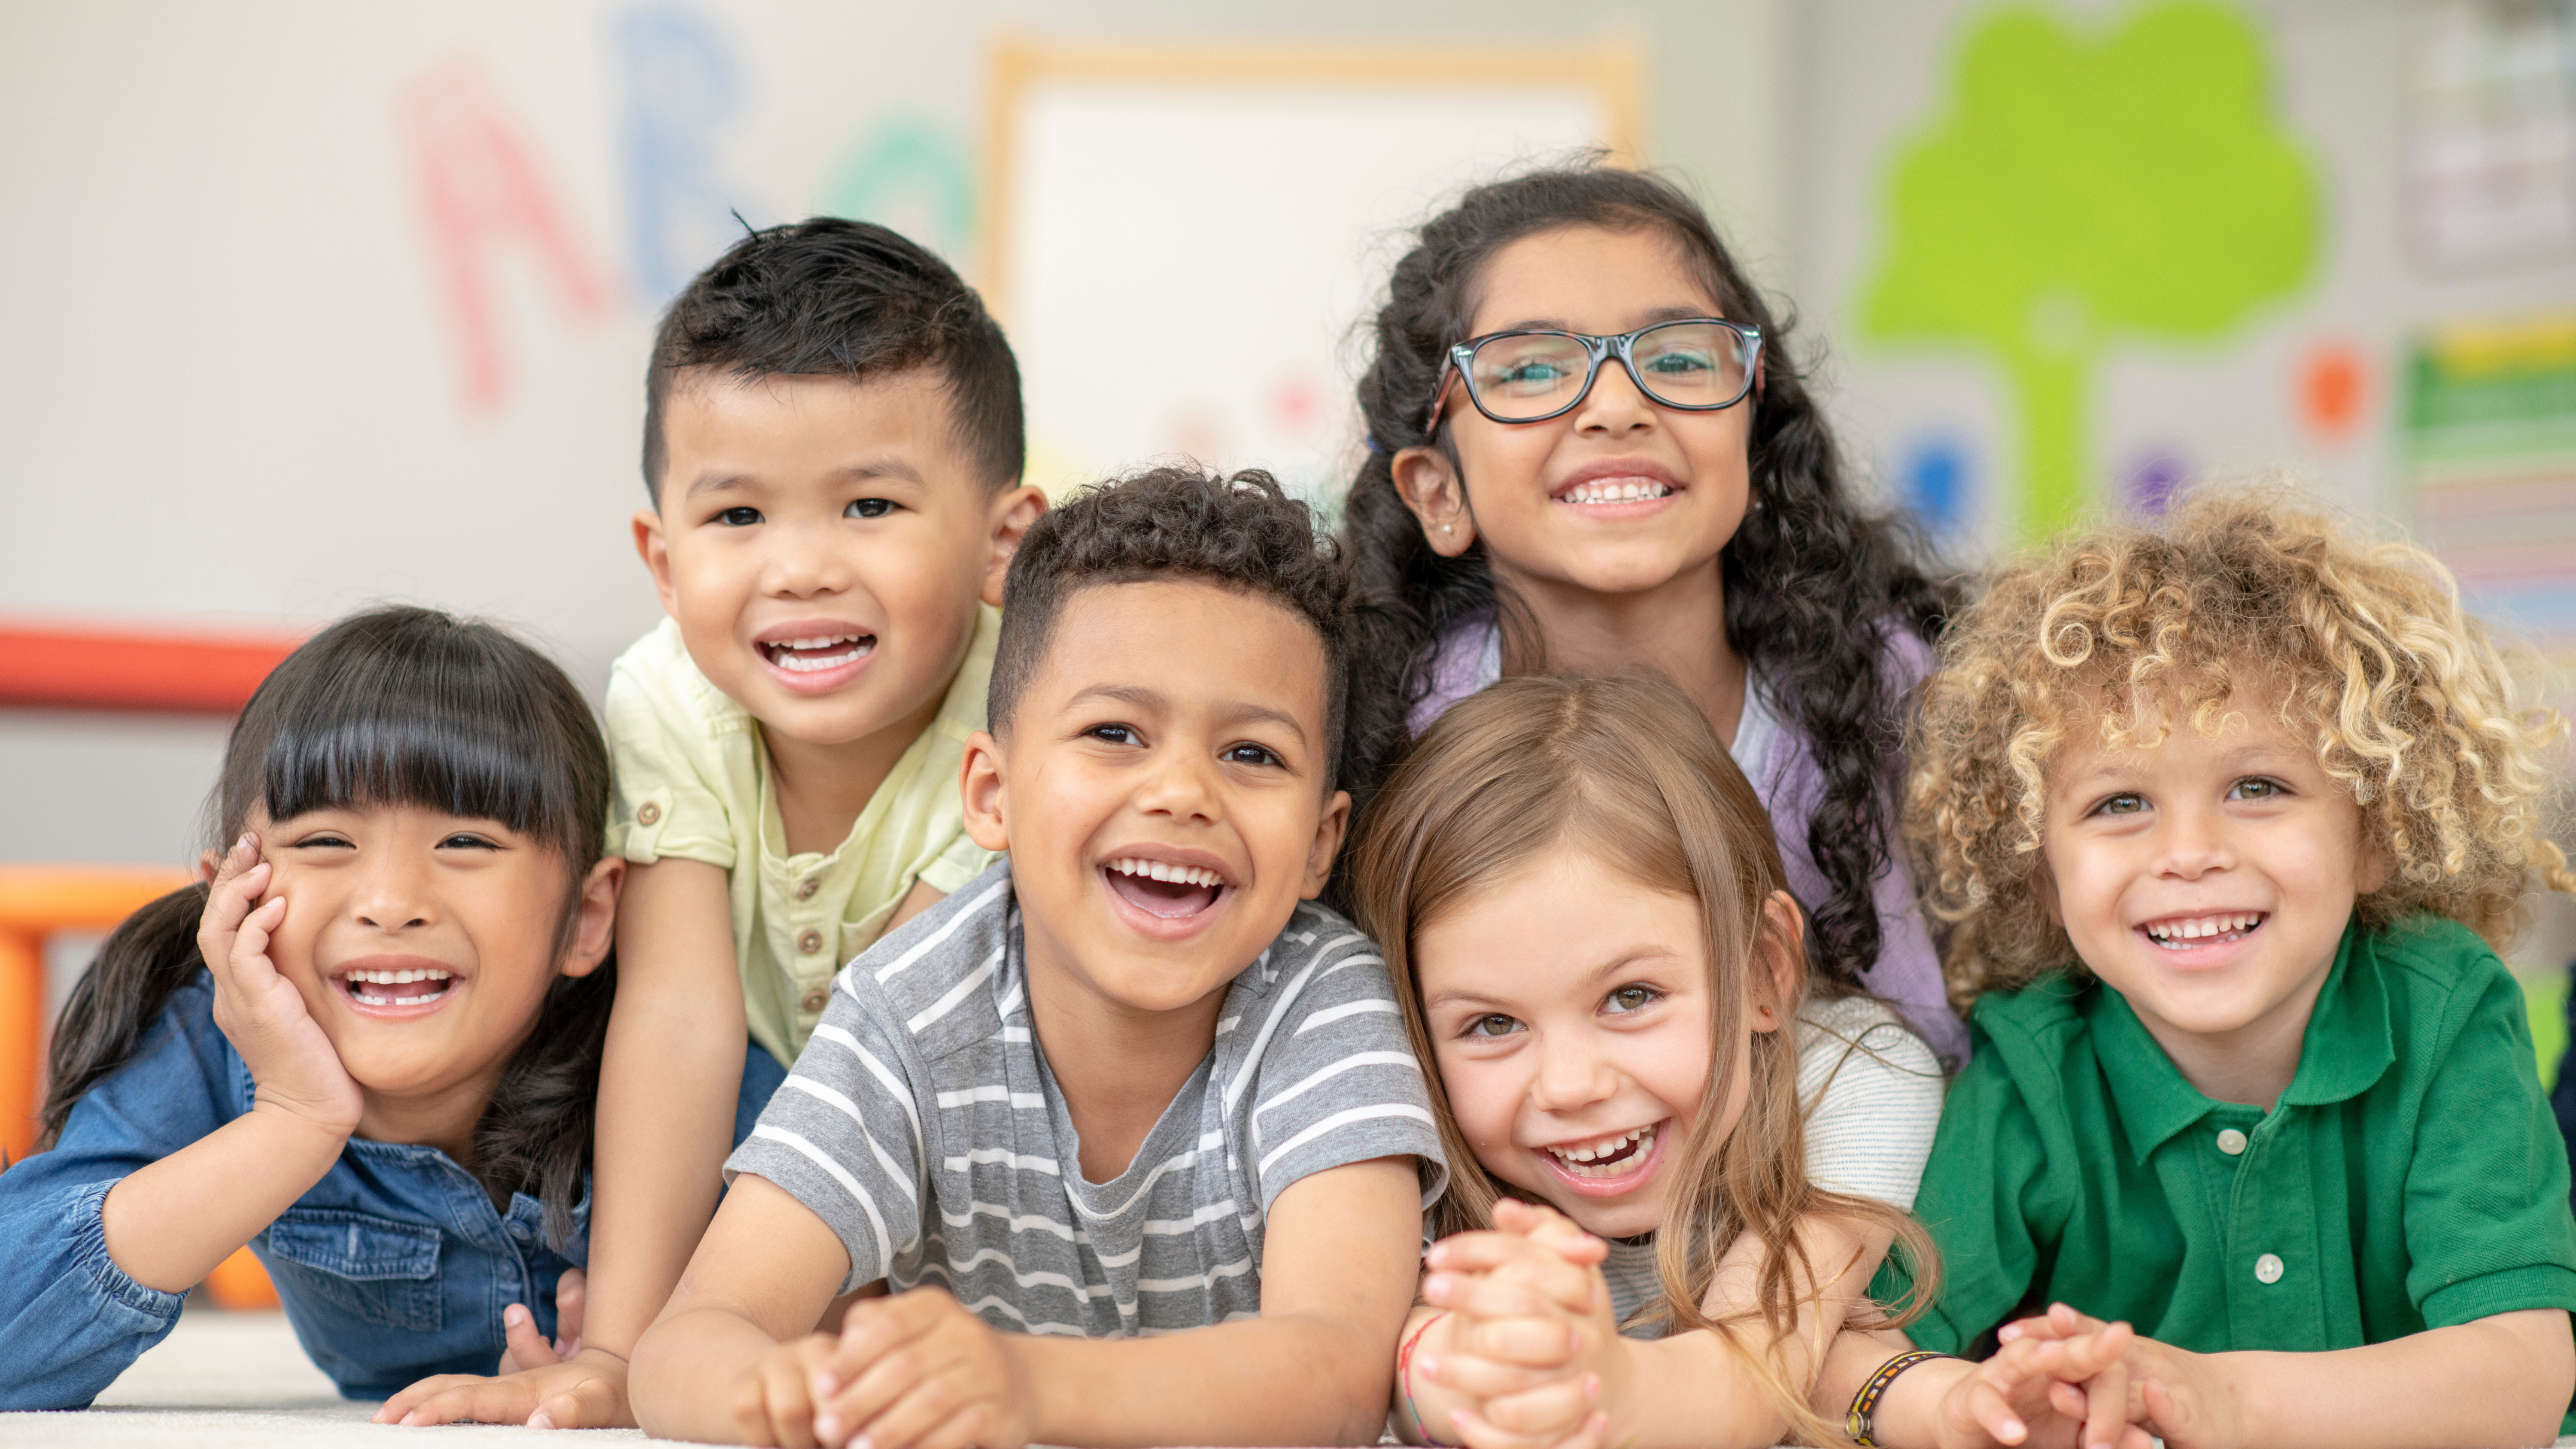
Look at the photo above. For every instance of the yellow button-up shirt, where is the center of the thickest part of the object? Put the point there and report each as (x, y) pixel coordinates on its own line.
(693, 782)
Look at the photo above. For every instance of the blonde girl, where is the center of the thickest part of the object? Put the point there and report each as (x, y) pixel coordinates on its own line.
(1582, 907)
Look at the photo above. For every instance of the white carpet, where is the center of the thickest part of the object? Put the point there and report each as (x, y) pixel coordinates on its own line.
(240, 1379)
(226, 1379)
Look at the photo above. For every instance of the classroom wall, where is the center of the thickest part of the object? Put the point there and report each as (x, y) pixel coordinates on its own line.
(243, 387)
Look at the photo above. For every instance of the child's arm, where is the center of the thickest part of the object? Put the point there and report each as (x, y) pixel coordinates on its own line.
(729, 1359)
(668, 1088)
(2067, 1394)
(168, 1224)
(149, 1186)
(2502, 1380)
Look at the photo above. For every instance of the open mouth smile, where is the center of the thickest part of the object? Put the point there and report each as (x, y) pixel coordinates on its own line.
(819, 653)
(403, 991)
(1606, 1166)
(1600, 491)
(2183, 933)
(1163, 889)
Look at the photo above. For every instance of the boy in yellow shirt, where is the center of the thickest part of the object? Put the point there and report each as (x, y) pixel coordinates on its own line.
(833, 444)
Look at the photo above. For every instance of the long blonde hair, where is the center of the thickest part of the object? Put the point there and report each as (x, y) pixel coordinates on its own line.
(2401, 693)
(1626, 767)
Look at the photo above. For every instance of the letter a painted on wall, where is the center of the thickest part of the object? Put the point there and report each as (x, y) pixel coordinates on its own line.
(481, 196)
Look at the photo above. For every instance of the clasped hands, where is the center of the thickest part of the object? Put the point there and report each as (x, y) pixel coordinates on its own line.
(1524, 1354)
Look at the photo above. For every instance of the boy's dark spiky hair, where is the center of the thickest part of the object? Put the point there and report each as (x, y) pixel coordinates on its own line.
(846, 298)
(1183, 524)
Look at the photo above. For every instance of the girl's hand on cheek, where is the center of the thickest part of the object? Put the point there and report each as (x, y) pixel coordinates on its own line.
(297, 1070)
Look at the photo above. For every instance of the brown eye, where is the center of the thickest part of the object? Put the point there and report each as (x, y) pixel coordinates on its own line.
(1493, 1024)
(1632, 998)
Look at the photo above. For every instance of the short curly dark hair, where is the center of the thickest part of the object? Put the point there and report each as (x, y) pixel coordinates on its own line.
(1177, 523)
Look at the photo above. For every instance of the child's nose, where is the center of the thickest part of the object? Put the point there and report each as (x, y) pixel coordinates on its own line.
(1614, 405)
(1572, 1075)
(2193, 843)
(391, 897)
(806, 561)
(1178, 783)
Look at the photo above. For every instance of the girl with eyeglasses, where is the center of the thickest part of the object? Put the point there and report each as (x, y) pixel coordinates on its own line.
(1588, 449)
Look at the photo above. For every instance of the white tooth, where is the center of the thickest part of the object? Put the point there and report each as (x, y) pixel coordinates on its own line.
(1629, 492)
(1162, 870)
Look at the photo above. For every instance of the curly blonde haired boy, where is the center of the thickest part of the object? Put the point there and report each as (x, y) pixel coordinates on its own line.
(2228, 814)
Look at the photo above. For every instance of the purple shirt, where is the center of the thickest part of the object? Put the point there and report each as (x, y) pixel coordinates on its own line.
(1778, 758)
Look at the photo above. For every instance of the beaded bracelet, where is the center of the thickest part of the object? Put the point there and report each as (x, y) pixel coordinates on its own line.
(1404, 1378)
(1857, 1422)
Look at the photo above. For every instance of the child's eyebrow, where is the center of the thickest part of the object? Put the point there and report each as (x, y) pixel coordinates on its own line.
(887, 466)
(1237, 712)
(716, 483)
(1647, 318)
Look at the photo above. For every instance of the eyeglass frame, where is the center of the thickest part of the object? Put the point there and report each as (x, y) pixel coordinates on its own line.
(1598, 348)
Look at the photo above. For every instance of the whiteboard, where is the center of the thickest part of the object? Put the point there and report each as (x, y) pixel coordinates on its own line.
(1188, 243)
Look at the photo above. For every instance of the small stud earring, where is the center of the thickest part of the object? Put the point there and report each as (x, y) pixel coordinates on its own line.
(1445, 528)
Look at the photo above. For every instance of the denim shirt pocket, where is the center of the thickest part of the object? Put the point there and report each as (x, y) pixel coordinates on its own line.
(381, 1269)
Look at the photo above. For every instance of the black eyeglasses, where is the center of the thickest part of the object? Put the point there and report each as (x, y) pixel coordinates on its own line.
(1698, 364)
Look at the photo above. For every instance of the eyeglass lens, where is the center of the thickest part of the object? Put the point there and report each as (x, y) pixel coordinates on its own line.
(1533, 374)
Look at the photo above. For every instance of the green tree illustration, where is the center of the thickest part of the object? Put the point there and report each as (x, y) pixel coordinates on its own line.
(2081, 190)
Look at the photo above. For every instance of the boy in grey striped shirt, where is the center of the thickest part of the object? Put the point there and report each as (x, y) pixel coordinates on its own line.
(1129, 1129)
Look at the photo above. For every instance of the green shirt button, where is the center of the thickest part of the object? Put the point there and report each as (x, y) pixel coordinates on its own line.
(2231, 1141)
(2267, 1269)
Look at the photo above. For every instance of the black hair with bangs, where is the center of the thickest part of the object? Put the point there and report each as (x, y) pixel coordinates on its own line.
(397, 706)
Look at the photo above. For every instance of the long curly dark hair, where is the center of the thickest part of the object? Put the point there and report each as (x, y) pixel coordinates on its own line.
(1812, 582)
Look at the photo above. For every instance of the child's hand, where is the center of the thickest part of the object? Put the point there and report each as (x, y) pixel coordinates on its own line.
(2046, 1393)
(917, 1371)
(2174, 1393)
(294, 1066)
(585, 1389)
(1533, 1349)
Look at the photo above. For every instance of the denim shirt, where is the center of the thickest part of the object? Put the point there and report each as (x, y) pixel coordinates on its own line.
(395, 1266)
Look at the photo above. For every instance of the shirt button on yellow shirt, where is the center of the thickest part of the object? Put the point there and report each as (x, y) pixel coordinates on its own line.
(2267, 1269)
(810, 942)
(649, 814)
(815, 1000)
(2231, 1142)
(805, 888)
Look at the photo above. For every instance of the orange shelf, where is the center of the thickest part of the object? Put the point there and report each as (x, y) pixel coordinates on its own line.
(109, 669)
(35, 902)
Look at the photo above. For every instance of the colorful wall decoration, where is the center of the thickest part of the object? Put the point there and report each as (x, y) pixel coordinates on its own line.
(2080, 190)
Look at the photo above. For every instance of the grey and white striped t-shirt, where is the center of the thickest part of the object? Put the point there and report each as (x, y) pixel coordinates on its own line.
(923, 1125)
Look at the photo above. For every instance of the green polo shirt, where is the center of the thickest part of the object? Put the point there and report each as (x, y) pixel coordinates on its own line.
(2412, 1176)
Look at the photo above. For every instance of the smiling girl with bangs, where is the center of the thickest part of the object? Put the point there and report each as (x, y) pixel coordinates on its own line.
(367, 1044)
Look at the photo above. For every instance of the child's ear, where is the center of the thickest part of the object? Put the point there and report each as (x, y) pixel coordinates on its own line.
(1438, 499)
(979, 784)
(1328, 842)
(1007, 522)
(1783, 955)
(594, 918)
(655, 549)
